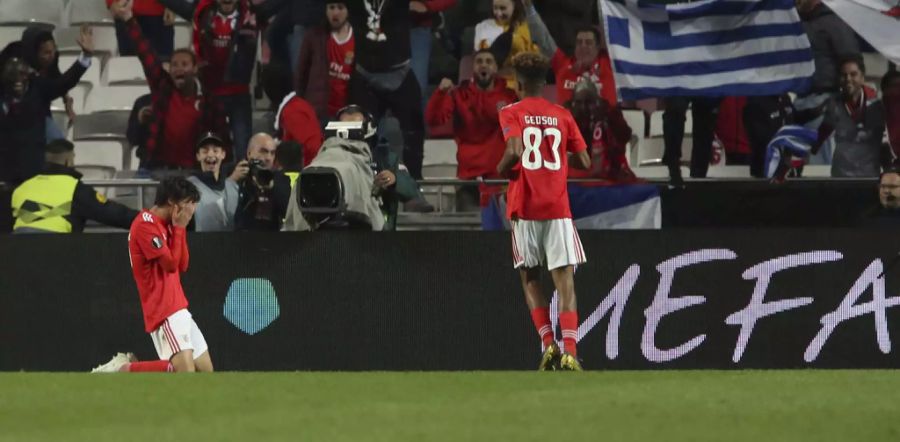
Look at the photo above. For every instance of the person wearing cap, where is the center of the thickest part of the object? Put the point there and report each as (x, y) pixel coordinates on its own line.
(218, 194)
(57, 201)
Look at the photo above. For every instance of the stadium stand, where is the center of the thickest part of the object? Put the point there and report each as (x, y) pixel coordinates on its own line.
(29, 12)
(121, 71)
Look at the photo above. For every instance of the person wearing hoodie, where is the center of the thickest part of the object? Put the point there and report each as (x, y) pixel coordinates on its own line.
(39, 51)
(24, 103)
(218, 194)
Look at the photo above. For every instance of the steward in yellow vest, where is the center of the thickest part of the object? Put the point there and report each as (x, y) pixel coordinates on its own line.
(56, 201)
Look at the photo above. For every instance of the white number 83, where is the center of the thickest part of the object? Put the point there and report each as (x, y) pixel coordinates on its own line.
(533, 137)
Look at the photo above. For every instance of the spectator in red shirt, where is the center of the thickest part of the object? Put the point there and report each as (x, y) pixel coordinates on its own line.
(326, 62)
(155, 24)
(474, 107)
(890, 93)
(604, 128)
(180, 112)
(225, 40)
(589, 61)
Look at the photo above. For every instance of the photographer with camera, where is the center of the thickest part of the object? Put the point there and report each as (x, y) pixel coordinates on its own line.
(264, 191)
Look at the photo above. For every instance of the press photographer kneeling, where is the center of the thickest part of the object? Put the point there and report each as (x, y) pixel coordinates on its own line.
(345, 187)
(264, 191)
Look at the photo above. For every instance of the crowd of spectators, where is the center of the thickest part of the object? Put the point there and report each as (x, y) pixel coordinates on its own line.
(321, 56)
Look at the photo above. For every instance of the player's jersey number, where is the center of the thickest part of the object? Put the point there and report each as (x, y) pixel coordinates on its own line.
(533, 137)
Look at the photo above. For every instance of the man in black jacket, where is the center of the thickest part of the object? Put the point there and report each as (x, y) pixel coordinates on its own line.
(56, 201)
(383, 78)
(24, 102)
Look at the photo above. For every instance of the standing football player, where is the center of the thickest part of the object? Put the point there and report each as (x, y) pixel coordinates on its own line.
(539, 136)
(157, 249)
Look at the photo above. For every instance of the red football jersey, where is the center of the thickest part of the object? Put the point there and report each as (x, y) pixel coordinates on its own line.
(340, 66)
(150, 241)
(538, 188)
(567, 76)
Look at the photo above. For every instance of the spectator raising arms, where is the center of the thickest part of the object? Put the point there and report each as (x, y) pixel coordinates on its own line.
(473, 107)
(39, 51)
(155, 23)
(326, 62)
(506, 35)
(24, 103)
(180, 112)
(218, 194)
(604, 129)
(225, 40)
(589, 61)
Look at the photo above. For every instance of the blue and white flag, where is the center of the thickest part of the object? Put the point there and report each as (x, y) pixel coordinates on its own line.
(789, 141)
(629, 206)
(707, 48)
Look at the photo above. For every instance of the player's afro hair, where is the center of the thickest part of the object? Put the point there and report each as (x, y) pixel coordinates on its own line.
(176, 189)
(531, 67)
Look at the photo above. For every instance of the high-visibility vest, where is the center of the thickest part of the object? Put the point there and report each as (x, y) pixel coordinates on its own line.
(44, 203)
(293, 177)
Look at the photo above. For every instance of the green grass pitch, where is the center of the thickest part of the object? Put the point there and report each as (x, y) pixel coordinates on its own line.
(844, 405)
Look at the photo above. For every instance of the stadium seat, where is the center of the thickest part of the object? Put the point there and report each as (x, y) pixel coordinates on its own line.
(78, 94)
(636, 120)
(105, 42)
(817, 171)
(91, 77)
(101, 126)
(121, 71)
(649, 152)
(9, 34)
(96, 172)
(443, 198)
(99, 153)
(45, 12)
(87, 11)
(658, 172)
(729, 172)
(876, 66)
(183, 35)
(114, 98)
(440, 152)
(439, 170)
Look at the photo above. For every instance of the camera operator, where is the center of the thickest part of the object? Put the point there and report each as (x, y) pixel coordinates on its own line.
(368, 181)
(264, 191)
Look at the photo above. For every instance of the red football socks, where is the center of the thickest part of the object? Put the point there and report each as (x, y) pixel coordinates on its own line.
(568, 322)
(150, 366)
(541, 318)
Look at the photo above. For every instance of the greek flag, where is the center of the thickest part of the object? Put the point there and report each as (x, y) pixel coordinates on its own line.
(707, 48)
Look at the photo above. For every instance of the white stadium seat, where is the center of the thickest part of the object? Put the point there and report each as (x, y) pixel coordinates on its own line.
(78, 94)
(9, 34)
(183, 35)
(99, 153)
(124, 71)
(91, 77)
(102, 125)
(876, 65)
(440, 152)
(47, 12)
(105, 41)
(636, 121)
(114, 98)
(649, 152)
(88, 11)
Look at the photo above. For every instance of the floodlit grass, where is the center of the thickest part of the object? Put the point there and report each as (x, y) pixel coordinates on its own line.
(491, 406)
